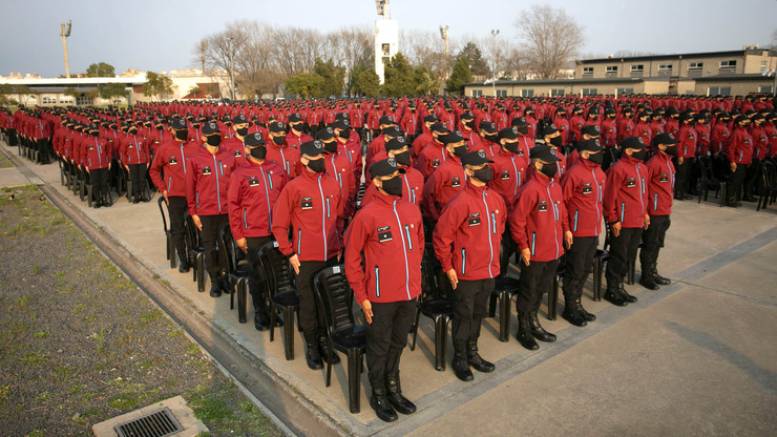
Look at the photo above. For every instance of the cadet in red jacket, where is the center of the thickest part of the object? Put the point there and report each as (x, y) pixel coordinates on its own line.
(168, 173)
(96, 160)
(740, 156)
(280, 152)
(686, 154)
(466, 242)
(383, 265)
(135, 156)
(309, 209)
(583, 189)
(540, 227)
(448, 179)
(760, 152)
(412, 179)
(207, 183)
(433, 153)
(338, 167)
(661, 177)
(253, 189)
(625, 210)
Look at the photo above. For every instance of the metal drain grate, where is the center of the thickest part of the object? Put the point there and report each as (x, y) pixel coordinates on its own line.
(158, 424)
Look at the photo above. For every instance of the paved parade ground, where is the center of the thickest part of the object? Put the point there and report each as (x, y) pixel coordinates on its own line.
(697, 357)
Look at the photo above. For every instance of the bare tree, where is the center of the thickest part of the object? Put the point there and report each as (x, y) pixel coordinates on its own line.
(551, 38)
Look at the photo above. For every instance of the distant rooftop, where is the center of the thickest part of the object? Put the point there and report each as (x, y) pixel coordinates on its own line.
(661, 57)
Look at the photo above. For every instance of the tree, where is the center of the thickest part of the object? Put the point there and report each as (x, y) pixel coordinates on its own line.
(364, 81)
(477, 65)
(101, 69)
(399, 77)
(109, 90)
(305, 85)
(333, 78)
(460, 76)
(425, 80)
(158, 85)
(551, 39)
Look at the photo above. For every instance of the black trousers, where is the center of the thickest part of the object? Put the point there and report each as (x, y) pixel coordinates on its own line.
(215, 256)
(137, 174)
(623, 248)
(734, 188)
(99, 180)
(309, 318)
(471, 307)
(681, 182)
(536, 279)
(257, 284)
(508, 248)
(752, 176)
(653, 241)
(386, 338)
(578, 265)
(177, 208)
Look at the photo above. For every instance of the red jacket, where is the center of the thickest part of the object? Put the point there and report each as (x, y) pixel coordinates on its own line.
(134, 150)
(760, 142)
(384, 251)
(609, 134)
(170, 165)
(642, 130)
(412, 188)
(539, 219)
(253, 190)
(207, 182)
(626, 193)
(468, 234)
(686, 143)
(442, 186)
(509, 174)
(287, 157)
(721, 135)
(309, 207)
(96, 154)
(661, 175)
(430, 158)
(740, 150)
(583, 189)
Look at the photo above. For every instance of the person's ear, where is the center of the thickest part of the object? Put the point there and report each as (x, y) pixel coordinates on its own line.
(377, 182)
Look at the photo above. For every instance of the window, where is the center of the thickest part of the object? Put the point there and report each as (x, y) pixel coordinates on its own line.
(588, 71)
(625, 91)
(83, 100)
(386, 49)
(764, 66)
(719, 91)
(477, 93)
(527, 93)
(638, 67)
(765, 89)
(589, 91)
(696, 65)
(501, 93)
(664, 69)
(611, 70)
(46, 100)
(557, 92)
(729, 63)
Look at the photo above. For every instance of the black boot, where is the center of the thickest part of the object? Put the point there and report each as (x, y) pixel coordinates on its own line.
(226, 286)
(572, 312)
(380, 403)
(613, 296)
(326, 352)
(629, 298)
(538, 331)
(312, 355)
(660, 280)
(399, 402)
(647, 279)
(461, 366)
(524, 333)
(215, 286)
(588, 316)
(476, 361)
(261, 320)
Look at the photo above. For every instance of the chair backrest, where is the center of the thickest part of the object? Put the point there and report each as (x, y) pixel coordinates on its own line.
(335, 298)
(163, 210)
(233, 253)
(277, 270)
(434, 283)
(769, 175)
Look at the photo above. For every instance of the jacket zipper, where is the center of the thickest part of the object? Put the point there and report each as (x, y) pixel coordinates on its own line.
(574, 223)
(218, 186)
(377, 282)
(267, 198)
(598, 201)
(409, 240)
(641, 188)
(623, 211)
(490, 243)
(404, 250)
(299, 241)
(245, 219)
(517, 177)
(323, 216)
(463, 261)
(533, 242)
(169, 183)
(410, 191)
(555, 219)
(183, 159)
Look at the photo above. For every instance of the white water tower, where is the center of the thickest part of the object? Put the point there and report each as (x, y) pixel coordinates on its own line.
(386, 38)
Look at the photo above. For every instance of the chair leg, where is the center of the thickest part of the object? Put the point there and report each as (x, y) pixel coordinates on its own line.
(597, 278)
(630, 275)
(504, 315)
(273, 317)
(200, 272)
(415, 329)
(329, 371)
(553, 299)
(354, 371)
(242, 286)
(492, 304)
(288, 332)
(440, 338)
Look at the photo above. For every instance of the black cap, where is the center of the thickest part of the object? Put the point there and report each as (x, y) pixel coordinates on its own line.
(475, 159)
(430, 118)
(664, 138)
(591, 130)
(312, 148)
(396, 143)
(467, 116)
(277, 126)
(240, 119)
(210, 128)
(543, 153)
(178, 123)
(591, 145)
(549, 129)
(439, 127)
(509, 133)
(518, 121)
(254, 139)
(341, 124)
(295, 118)
(325, 134)
(632, 143)
(386, 119)
(451, 137)
(384, 167)
(391, 131)
(487, 126)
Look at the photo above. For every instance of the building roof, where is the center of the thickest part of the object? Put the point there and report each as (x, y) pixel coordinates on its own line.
(676, 56)
(626, 80)
(735, 78)
(74, 81)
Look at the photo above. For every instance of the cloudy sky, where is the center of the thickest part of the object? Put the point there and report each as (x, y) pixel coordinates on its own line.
(161, 34)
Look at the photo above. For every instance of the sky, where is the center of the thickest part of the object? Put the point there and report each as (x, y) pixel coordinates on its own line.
(161, 34)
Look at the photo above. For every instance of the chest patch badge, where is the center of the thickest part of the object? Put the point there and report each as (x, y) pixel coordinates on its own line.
(306, 203)
(631, 182)
(587, 189)
(473, 219)
(542, 206)
(253, 181)
(206, 171)
(384, 234)
(455, 182)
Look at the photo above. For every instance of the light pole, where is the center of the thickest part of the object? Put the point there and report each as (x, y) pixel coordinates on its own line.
(64, 34)
(494, 49)
(230, 71)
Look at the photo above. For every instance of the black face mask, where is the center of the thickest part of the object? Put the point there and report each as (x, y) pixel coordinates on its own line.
(671, 150)
(331, 146)
(296, 127)
(279, 140)
(596, 158)
(467, 123)
(133, 131)
(317, 165)
(160, 127)
(182, 134)
(523, 130)
(403, 158)
(641, 155)
(214, 140)
(549, 170)
(195, 125)
(485, 174)
(511, 147)
(242, 131)
(459, 151)
(557, 141)
(393, 186)
(493, 138)
(345, 133)
(259, 152)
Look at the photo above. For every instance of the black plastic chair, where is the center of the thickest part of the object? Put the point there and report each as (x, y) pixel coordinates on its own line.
(238, 274)
(281, 282)
(600, 258)
(170, 252)
(768, 187)
(335, 299)
(196, 253)
(708, 182)
(504, 289)
(436, 302)
(553, 293)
